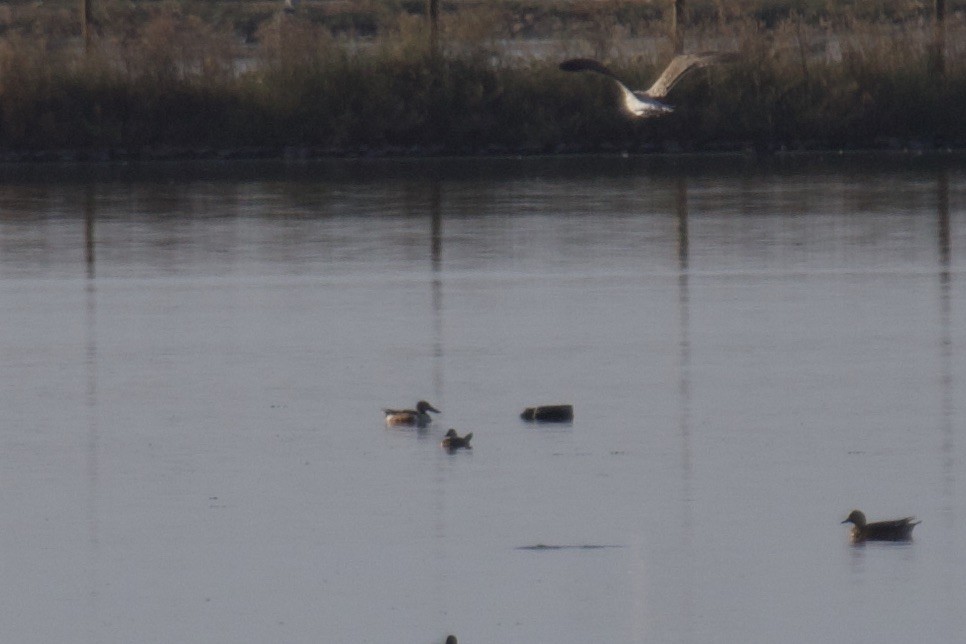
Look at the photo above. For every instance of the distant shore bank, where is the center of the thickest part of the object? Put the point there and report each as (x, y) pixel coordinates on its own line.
(175, 80)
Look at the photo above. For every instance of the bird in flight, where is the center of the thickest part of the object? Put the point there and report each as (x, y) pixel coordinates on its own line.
(647, 103)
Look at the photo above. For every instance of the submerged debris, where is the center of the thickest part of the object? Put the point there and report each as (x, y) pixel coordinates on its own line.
(586, 546)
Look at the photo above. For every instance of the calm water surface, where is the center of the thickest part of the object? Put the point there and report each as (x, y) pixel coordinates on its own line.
(195, 359)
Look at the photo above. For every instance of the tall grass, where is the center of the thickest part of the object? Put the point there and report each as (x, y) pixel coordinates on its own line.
(166, 77)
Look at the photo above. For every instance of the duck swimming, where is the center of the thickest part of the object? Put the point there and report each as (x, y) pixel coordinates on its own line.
(418, 417)
(453, 441)
(893, 530)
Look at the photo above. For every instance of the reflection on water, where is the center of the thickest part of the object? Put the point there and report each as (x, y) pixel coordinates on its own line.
(436, 215)
(945, 318)
(684, 396)
(91, 403)
(747, 349)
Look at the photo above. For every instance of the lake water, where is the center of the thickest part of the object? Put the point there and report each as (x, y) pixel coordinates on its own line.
(195, 358)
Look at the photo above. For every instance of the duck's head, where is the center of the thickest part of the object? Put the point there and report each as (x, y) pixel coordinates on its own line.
(422, 407)
(451, 433)
(856, 518)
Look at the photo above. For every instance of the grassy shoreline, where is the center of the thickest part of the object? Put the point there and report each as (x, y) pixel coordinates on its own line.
(168, 83)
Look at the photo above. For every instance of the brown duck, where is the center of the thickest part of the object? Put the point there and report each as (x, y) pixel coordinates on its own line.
(894, 530)
(453, 441)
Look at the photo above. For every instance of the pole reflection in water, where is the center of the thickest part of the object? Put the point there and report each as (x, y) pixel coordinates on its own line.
(684, 390)
(89, 230)
(436, 218)
(948, 448)
(946, 343)
(436, 292)
(90, 360)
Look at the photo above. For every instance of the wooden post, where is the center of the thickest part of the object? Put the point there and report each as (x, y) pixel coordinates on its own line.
(677, 26)
(86, 22)
(432, 11)
(939, 39)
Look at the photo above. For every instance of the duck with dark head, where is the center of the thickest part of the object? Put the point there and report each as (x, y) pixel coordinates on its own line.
(453, 441)
(892, 530)
(418, 417)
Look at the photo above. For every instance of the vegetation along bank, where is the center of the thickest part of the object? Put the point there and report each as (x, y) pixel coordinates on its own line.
(221, 78)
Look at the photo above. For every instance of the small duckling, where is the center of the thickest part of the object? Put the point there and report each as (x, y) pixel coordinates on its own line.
(452, 441)
(894, 530)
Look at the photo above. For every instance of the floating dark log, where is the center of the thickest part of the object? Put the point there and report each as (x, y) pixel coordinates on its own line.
(549, 413)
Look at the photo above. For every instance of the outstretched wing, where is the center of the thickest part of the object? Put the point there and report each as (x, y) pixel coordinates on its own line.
(631, 100)
(681, 65)
(585, 65)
